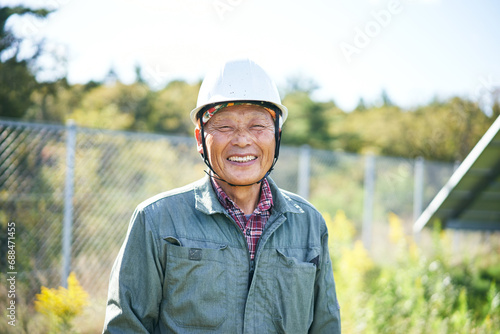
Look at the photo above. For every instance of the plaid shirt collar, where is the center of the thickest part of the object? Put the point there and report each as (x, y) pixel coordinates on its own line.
(264, 205)
(253, 226)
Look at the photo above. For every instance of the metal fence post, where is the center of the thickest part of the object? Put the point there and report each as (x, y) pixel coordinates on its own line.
(418, 189)
(456, 240)
(369, 192)
(304, 171)
(68, 201)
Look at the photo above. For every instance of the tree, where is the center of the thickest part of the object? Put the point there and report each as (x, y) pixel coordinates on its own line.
(17, 81)
(495, 110)
(386, 101)
(310, 121)
(361, 105)
(300, 83)
(171, 108)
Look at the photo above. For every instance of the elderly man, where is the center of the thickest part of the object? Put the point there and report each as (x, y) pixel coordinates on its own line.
(231, 253)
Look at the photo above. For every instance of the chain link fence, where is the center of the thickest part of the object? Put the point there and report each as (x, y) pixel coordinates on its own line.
(71, 192)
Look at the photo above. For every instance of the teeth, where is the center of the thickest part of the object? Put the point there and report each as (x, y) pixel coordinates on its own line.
(242, 159)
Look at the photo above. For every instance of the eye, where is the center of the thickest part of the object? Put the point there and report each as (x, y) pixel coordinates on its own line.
(224, 128)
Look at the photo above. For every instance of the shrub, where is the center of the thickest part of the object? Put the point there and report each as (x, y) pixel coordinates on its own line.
(414, 292)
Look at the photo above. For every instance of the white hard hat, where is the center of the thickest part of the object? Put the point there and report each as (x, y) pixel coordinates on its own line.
(238, 80)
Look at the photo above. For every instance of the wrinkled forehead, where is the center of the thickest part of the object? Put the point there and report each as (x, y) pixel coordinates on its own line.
(209, 113)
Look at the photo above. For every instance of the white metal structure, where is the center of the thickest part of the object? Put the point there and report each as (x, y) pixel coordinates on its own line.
(471, 197)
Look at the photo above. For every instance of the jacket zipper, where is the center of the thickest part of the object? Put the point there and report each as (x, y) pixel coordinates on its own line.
(250, 275)
(252, 262)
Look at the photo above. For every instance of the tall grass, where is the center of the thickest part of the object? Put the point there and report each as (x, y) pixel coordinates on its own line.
(413, 290)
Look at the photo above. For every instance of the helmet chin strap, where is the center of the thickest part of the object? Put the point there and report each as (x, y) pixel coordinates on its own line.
(235, 185)
(277, 138)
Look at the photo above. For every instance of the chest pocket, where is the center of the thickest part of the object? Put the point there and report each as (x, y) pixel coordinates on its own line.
(194, 289)
(293, 284)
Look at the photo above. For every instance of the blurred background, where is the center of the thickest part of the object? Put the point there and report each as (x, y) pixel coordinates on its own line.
(386, 100)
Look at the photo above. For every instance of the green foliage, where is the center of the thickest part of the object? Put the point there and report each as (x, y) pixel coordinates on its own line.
(16, 78)
(16, 85)
(308, 121)
(439, 131)
(414, 292)
(117, 106)
(171, 108)
(7, 39)
(330, 190)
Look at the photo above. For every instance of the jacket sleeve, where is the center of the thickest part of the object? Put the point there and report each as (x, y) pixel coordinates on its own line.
(326, 308)
(135, 285)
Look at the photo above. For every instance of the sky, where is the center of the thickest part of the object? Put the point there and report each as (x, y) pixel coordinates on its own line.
(415, 50)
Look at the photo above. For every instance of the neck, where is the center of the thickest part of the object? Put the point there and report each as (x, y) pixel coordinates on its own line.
(246, 198)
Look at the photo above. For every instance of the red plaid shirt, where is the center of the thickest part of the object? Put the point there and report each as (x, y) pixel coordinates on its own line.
(253, 226)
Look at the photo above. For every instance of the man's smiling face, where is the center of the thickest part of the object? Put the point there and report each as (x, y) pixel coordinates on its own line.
(240, 142)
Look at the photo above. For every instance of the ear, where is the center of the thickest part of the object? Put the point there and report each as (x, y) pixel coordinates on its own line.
(197, 135)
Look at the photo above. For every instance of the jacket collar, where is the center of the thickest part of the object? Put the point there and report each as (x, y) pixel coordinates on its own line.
(207, 202)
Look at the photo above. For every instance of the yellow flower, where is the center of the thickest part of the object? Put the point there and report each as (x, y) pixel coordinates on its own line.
(356, 261)
(341, 229)
(396, 233)
(414, 250)
(62, 305)
(76, 294)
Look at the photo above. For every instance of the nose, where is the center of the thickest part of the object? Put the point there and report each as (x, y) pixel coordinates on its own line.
(242, 138)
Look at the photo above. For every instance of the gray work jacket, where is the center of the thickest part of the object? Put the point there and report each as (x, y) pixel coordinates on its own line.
(185, 268)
